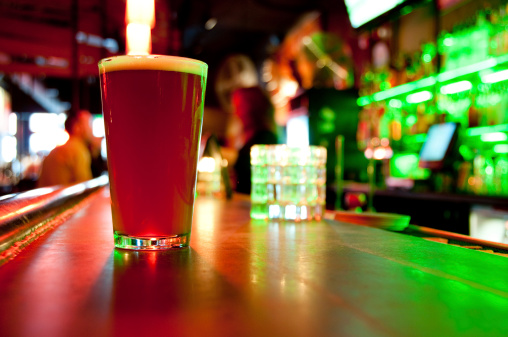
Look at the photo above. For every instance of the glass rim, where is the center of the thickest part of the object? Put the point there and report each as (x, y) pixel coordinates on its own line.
(153, 62)
(284, 155)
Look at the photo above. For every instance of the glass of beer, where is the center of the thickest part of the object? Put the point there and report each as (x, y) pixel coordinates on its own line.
(153, 113)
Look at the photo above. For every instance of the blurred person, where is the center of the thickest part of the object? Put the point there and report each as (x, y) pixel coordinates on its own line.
(236, 71)
(98, 164)
(70, 163)
(256, 112)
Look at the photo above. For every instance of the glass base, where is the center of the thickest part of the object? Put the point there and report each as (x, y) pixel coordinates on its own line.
(151, 243)
(286, 212)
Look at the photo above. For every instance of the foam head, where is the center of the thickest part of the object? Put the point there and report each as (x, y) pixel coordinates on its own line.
(153, 62)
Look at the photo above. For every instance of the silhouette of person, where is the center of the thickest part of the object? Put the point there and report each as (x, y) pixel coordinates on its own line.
(99, 165)
(70, 163)
(256, 112)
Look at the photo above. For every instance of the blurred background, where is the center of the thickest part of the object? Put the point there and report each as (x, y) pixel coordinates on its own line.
(49, 52)
(379, 73)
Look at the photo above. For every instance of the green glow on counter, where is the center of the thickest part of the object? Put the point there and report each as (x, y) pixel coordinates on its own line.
(495, 77)
(456, 87)
(487, 129)
(419, 97)
(501, 148)
(494, 137)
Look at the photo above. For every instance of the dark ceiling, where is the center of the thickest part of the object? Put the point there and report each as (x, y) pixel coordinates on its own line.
(241, 25)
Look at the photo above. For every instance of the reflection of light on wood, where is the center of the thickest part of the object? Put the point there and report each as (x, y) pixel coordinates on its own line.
(203, 229)
(152, 260)
(138, 39)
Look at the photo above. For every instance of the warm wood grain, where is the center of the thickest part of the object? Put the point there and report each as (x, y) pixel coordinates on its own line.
(246, 278)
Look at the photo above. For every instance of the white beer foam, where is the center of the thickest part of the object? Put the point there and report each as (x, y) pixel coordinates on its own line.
(153, 62)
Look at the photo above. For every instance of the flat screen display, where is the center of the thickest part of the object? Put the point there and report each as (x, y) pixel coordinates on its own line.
(439, 140)
(362, 11)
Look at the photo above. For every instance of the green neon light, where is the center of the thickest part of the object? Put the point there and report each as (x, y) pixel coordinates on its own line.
(395, 103)
(448, 41)
(487, 129)
(494, 137)
(501, 148)
(452, 74)
(406, 166)
(401, 165)
(361, 13)
(419, 97)
(456, 87)
(495, 77)
(431, 80)
(415, 139)
(403, 89)
(363, 101)
(466, 152)
(406, 10)
(411, 120)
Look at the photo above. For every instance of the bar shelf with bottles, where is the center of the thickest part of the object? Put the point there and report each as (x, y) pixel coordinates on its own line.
(471, 89)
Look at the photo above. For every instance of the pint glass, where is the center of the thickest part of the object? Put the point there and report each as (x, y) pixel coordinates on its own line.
(153, 113)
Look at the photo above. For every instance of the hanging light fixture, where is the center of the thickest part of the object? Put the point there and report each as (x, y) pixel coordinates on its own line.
(139, 41)
(140, 19)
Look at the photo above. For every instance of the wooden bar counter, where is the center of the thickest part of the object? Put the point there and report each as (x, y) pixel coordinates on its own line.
(249, 278)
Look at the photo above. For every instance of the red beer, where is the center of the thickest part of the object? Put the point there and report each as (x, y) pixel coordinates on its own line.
(153, 112)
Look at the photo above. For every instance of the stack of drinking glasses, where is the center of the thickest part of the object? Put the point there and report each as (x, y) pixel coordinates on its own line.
(288, 183)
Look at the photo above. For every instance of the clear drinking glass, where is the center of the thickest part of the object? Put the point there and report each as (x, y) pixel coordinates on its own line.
(288, 183)
(153, 113)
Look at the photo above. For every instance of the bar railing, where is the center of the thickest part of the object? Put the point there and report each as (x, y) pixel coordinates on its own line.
(400, 223)
(26, 216)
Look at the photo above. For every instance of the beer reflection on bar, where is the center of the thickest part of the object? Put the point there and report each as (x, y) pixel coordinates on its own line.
(319, 117)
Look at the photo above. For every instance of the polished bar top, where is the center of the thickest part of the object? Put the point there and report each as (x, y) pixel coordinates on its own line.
(250, 278)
